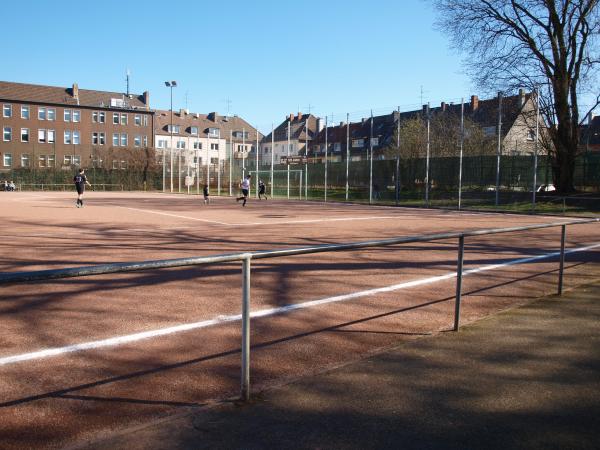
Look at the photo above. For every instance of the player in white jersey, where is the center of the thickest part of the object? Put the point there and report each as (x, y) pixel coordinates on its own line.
(245, 185)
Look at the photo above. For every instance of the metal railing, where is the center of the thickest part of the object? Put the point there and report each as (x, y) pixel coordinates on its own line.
(245, 258)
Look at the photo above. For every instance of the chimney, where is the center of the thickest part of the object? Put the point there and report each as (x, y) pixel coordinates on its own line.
(146, 99)
(291, 117)
(182, 112)
(299, 116)
(342, 124)
(443, 106)
(75, 91)
(474, 102)
(521, 97)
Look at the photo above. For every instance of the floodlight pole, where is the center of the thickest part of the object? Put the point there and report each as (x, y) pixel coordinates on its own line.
(288, 159)
(535, 150)
(398, 160)
(272, 154)
(256, 168)
(462, 141)
(244, 153)
(347, 152)
(427, 159)
(230, 163)
(371, 160)
(499, 149)
(171, 85)
(326, 158)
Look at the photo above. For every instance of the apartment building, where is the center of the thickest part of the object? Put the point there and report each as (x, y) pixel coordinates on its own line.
(203, 139)
(379, 133)
(297, 131)
(49, 127)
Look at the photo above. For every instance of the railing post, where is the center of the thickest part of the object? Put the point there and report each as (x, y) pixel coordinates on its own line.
(562, 258)
(246, 328)
(459, 274)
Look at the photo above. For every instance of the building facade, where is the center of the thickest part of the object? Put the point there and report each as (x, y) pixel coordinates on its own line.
(297, 131)
(56, 128)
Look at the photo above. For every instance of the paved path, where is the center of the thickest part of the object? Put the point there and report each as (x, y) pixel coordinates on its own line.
(525, 378)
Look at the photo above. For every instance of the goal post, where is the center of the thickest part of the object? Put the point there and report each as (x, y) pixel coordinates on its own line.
(279, 182)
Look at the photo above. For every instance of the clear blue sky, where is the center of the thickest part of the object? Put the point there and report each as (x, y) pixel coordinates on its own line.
(268, 58)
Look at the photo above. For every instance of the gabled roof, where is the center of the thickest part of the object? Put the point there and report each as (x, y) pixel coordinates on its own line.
(298, 124)
(188, 120)
(53, 95)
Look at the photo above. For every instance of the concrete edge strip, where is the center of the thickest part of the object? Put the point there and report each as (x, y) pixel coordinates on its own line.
(121, 340)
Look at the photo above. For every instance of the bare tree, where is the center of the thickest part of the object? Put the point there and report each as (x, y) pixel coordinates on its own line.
(548, 44)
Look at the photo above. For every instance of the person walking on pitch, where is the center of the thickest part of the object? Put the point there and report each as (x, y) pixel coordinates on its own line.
(80, 181)
(245, 185)
(261, 190)
(205, 191)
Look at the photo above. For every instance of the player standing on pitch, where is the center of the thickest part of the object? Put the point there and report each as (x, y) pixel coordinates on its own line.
(261, 190)
(80, 181)
(245, 185)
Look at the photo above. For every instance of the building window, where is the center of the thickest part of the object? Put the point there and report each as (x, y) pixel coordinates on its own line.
(197, 145)
(67, 115)
(145, 141)
(530, 135)
(214, 132)
(51, 114)
(180, 144)
(98, 117)
(375, 141)
(68, 160)
(76, 116)
(51, 136)
(42, 161)
(7, 135)
(162, 143)
(41, 136)
(137, 141)
(101, 138)
(41, 113)
(173, 129)
(123, 139)
(214, 146)
(240, 134)
(123, 119)
(337, 147)
(358, 142)
(489, 131)
(115, 140)
(194, 131)
(25, 160)
(50, 159)
(24, 134)
(137, 120)
(115, 118)
(68, 139)
(7, 157)
(95, 139)
(24, 112)
(77, 160)
(214, 160)
(76, 140)
(145, 121)
(7, 110)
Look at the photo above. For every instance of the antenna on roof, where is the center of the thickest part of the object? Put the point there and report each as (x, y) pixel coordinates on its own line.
(228, 104)
(127, 80)
(186, 99)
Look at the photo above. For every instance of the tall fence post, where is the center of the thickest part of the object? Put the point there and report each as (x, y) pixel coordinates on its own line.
(459, 274)
(561, 269)
(246, 328)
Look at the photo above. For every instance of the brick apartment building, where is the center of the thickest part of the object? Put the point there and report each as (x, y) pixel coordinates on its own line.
(47, 127)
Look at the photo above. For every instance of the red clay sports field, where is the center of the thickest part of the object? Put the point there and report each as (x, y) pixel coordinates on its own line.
(74, 366)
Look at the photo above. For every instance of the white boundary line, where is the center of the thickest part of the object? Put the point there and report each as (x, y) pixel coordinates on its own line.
(121, 340)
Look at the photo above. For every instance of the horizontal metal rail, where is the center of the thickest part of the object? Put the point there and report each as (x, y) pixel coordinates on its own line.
(246, 257)
(52, 274)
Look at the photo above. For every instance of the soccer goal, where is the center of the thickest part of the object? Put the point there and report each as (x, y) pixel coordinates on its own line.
(281, 185)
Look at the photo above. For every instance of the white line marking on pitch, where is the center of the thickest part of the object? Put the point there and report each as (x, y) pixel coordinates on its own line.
(121, 340)
(174, 215)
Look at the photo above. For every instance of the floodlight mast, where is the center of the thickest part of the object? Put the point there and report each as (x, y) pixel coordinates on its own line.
(171, 85)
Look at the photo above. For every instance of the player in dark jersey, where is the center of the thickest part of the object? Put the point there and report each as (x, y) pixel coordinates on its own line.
(80, 181)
